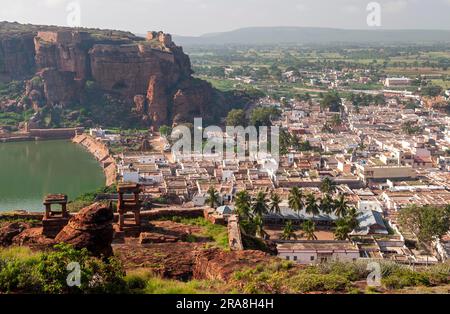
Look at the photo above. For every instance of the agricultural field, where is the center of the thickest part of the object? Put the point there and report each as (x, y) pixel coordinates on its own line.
(288, 70)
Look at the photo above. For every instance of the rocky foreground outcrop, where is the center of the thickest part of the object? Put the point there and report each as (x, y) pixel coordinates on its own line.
(215, 264)
(9, 231)
(152, 74)
(92, 229)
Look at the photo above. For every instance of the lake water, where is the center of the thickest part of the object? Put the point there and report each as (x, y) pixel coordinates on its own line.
(31, 170)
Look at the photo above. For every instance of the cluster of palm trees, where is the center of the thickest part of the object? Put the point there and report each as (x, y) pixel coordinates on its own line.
(251, 211)
(308, 231)
(348, 216)
(315, 206)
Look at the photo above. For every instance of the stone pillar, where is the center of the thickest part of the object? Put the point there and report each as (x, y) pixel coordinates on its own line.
(64, 210)
(121, 221)
(137, 217)
(47, 211)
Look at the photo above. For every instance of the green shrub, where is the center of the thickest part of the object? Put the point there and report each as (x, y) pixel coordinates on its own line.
(24, 271)
(351, 271)
(405, 278)
(438, 274)
(135, 282)
(304, 282)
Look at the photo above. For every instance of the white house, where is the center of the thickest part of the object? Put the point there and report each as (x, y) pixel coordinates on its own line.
(130, 176)
(316, 252)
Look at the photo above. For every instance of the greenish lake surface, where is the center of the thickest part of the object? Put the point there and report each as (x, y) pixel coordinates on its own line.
(31, 170)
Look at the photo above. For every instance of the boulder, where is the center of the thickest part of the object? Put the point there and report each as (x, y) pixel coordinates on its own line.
(8, 232)
(92, 229)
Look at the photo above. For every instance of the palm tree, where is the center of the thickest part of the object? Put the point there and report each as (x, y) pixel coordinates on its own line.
(259, 227)
(327, 205)
(342, 230)
(288, 232)
(275, 201)
(352, 218)
(328, 186)
(243, 205)
(340, 206)
(309, 229)
(311, 205)
(260, 205)
(296, 199)
(213, 197)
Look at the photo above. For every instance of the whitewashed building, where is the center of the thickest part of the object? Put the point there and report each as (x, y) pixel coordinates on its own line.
(316, 252)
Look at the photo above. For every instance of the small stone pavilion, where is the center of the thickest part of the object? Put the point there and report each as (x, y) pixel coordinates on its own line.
(55, 220)
(126, 204)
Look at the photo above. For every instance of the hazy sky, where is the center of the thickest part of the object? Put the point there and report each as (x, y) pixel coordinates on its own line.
(195, 17)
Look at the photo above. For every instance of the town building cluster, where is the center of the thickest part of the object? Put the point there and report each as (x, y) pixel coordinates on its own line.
(382, 159)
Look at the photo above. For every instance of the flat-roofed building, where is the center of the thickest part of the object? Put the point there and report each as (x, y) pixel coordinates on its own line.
(397, 81)
(316, 252)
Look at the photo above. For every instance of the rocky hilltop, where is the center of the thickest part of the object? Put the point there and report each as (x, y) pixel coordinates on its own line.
(150, 78)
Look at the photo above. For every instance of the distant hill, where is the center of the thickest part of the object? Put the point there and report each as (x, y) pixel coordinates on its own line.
(309, 35)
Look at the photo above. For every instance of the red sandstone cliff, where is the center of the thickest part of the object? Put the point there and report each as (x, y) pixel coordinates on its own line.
(152, 74)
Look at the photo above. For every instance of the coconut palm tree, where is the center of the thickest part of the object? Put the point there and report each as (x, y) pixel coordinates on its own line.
(352, 218)
(288, 232)
(327, 205)
(311, 205)
(213, 197)
(309, 229)
(342, 230)
(275, 201)
(296, 199)
(259, 227)
(340, 206)
(328, 186)
(243, 205)
(260, 205)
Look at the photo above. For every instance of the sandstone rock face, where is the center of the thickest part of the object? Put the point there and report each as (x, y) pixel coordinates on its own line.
(91, 228)
(16, 57)
(124, 67)
(215, 264)
(65, 51)
(140, 104)
(193, 99)
(34, 238)
(60, 87)
(8, 232)
(148, 237)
